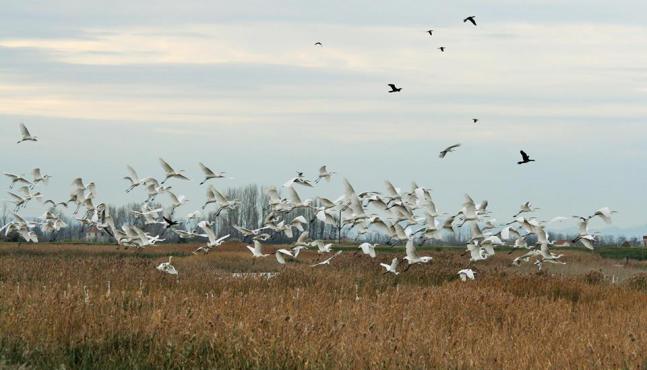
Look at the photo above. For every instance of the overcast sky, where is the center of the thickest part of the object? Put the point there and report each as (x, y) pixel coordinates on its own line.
(241, 87)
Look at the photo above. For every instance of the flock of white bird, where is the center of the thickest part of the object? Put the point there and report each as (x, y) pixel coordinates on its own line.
(408, 217)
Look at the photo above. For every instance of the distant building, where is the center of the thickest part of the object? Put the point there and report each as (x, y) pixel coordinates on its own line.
(562, 243)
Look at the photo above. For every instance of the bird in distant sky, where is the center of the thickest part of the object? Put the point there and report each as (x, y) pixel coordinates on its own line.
(442, 49)
(524, 158)
(394, 89)
(470, 19)
(449, 149)
(25, 135)
(430, 32)
(170, 172)
(475, 120)
(318, 43)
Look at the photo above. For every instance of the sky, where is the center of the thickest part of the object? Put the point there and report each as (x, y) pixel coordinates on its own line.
(241, 87)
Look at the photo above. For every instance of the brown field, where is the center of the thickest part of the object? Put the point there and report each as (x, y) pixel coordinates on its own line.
(81, 306)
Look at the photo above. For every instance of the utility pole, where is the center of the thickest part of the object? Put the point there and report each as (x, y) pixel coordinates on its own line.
(339, 228)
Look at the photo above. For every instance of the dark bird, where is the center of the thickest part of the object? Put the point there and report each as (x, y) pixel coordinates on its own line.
(318, 43)
(430, 32)
(471, 19)
(169, 222)
(475, 120)
(524, 158)
(442, 48)
(394, 89)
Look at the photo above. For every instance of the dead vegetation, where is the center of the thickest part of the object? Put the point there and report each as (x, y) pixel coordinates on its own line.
(97, 307)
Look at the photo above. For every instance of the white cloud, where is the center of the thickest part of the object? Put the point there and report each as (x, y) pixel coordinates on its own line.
(569, 91)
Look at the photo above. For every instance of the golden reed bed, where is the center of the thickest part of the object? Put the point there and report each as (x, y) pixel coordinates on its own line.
(83, 306)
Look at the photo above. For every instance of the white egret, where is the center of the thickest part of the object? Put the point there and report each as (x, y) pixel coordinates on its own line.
(280, 253)
(167, 267)
(171, 173)
(17, 179)
(466, 274)
(209, 174)
(257, 249)
(134, 179)
(300, 179)
(38, 177)
(449, 149)
(368, 249)
(392, 268)
(25, 135)
(526, 208)
(412, 257)
(327, 260)
(324, 174)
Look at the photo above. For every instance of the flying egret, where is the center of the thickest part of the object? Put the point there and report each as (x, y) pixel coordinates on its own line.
(321, 247)
(214, 241)
(25, 135)
(17, 179)
(526, 208)
(300, 179)
(176, 201)
(604, 213)
(449, 149)
(466, 274)
(134, 179)
(280, 253)
(368, 249)
(209, 174)
(257, 249)
(38, 177)
(324, 174)
(167, 267)
(392, 268)
(327, 260)
(171, 173)
(412, 257)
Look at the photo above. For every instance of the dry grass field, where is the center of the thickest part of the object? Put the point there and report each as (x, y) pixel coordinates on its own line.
(98, 307)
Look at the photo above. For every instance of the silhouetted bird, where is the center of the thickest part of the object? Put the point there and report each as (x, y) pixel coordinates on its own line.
(524, 158)
(442, 48)
(318, 43)
(475, 120)
(394, 89)
(169, 222)
(471, 19)
(430, 32)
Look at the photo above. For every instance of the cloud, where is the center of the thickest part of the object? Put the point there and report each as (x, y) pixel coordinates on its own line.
(242, 83)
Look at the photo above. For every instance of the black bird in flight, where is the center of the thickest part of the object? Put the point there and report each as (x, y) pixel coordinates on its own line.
(394, 89)
(169, 222)
(430, 32)
(475, 120)
(318, 43)
(442, 48)
(471, 19)
(524, 158)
